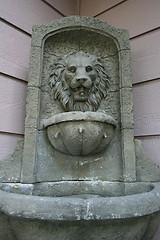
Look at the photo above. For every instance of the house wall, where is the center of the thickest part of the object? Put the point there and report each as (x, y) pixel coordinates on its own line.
(18, 17)
(142, 19)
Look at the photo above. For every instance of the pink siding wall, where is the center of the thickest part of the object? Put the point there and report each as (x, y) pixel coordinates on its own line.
(12, 104)
(142, 19)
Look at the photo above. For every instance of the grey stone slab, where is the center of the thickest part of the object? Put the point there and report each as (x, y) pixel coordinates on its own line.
(125, 69)
(28, 173)
(35, 67)
(32, 107)
(10, 170)
(126, 108)
(128, 155)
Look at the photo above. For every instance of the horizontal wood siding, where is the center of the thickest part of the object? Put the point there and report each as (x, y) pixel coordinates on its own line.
(146, 57)
(24, 14)
(146, 98)
(18, 17)
(15, 51)
(123, 15)
(66, 7)
(94, 7)
(12, 105)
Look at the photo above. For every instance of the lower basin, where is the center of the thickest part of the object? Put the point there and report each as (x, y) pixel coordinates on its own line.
(91, 209)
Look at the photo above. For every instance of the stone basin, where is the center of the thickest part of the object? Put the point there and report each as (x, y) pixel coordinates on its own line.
(80, 133)
(92, 209)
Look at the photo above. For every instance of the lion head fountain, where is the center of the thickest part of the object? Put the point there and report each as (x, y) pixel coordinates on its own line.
(79, 81)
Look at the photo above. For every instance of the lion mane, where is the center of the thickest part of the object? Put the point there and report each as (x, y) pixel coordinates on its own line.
(63, 92)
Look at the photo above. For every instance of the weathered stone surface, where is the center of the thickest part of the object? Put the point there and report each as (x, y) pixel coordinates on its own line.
(81, 206)
(87, 230)
(35, 67)
(54, 165)
(32, 108)
(10, 169)
(126, 108)
(129, 162)
(6, 232)
(28, 173)
(125, 65)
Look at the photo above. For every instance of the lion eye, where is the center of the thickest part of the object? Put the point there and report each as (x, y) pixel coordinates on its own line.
(89, 69)
(72, 69)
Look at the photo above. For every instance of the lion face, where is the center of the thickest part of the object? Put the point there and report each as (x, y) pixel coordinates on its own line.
(80, 76)
(79, 81)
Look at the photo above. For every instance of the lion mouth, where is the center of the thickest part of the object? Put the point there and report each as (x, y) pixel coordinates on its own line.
(80, 93)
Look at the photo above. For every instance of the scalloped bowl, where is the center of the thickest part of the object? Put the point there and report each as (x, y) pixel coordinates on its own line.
(80, 133)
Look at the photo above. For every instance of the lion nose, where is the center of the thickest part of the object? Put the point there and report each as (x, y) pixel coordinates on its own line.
(81, 75)
(82, 78)
(85, 82)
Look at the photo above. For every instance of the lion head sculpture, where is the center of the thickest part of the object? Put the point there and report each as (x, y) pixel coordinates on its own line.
(79, 81)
